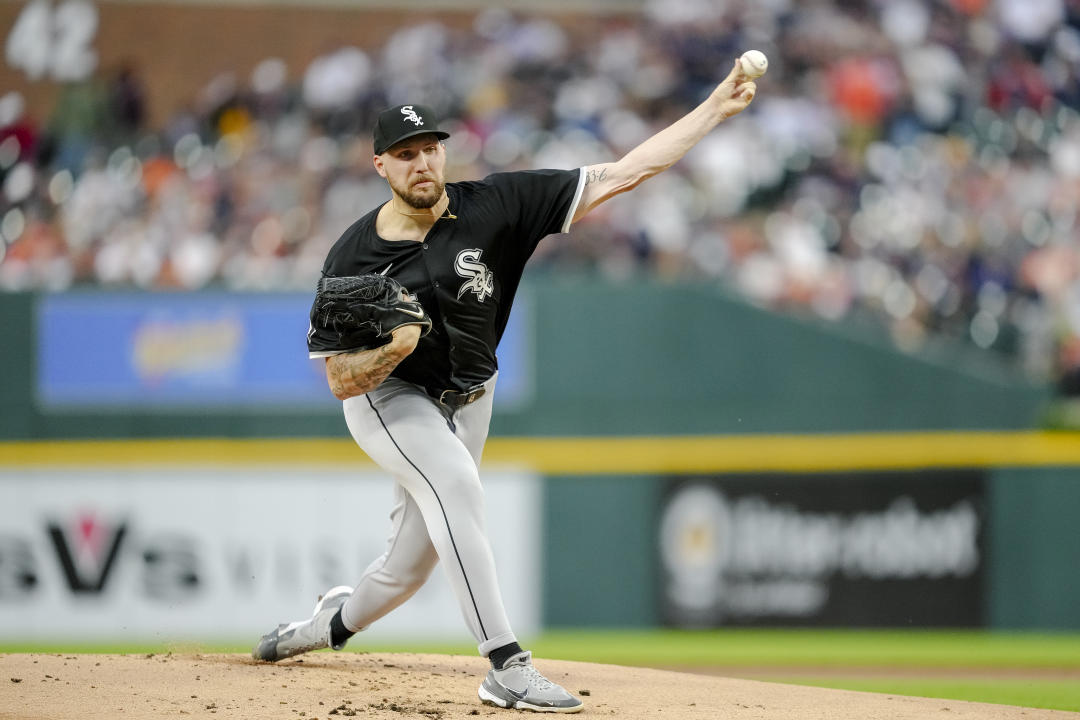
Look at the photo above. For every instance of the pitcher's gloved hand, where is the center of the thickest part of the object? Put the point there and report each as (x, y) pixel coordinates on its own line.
(361, 312)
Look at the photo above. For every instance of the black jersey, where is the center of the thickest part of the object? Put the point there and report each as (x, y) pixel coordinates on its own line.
(465, 272)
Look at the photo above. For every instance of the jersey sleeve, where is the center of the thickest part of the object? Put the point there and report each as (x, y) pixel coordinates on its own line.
(539, 202)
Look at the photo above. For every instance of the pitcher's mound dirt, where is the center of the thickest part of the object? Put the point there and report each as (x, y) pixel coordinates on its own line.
(327, 686)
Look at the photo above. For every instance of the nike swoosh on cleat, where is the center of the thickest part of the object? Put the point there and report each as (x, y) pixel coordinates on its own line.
(516, 694)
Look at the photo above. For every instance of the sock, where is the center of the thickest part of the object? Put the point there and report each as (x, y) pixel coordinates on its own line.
(499, 656)
(339, 634)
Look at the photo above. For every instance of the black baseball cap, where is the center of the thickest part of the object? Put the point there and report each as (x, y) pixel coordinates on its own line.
(404, 121)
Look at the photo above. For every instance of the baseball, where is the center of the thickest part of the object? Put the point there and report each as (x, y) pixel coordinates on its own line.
(754, 63)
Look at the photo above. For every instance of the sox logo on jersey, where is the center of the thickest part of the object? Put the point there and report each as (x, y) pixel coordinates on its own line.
(480, 280)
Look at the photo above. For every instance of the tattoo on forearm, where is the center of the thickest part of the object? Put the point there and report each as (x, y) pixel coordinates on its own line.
(357, 373)
(593, 176)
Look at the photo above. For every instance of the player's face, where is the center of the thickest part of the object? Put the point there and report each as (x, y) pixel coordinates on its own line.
(414, 169)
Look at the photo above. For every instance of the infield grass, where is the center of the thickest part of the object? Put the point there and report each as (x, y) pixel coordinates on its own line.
(1026, 692)
(873, 648)
(1029, 669)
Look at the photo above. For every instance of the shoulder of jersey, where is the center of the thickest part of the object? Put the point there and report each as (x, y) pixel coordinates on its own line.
(468, 186)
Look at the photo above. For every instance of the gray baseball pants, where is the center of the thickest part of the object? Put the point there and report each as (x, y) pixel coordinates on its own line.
(439, 511)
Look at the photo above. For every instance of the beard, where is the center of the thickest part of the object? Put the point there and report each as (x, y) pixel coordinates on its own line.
(421, 199)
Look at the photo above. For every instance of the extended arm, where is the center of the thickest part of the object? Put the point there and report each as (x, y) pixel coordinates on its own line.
(666, 147)
(356, 373)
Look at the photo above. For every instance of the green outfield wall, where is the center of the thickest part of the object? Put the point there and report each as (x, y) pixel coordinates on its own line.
(635, 390)
(1035, 548)
(604, 359)
(682, 358)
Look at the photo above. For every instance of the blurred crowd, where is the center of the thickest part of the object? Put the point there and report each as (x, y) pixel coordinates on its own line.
(913, 162)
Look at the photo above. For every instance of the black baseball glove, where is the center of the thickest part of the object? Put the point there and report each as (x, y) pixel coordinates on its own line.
(360, 312)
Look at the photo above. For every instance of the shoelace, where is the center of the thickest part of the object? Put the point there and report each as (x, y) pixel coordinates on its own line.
(536, 679)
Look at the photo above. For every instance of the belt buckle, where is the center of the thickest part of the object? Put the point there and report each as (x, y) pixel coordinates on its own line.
(457, 399)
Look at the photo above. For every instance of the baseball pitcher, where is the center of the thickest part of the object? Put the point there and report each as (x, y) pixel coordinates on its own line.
(408, 315)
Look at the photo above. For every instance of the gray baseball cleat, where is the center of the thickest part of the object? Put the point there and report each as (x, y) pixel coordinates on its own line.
(304, 635)
(520, 686)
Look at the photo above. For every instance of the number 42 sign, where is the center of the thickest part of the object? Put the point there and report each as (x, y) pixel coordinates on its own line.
(54, 41)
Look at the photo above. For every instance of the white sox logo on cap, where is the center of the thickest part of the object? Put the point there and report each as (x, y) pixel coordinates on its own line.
(480, 280)
(402, 122)
(411, 115)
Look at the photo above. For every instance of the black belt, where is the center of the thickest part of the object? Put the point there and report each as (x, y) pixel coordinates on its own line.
(454, 399)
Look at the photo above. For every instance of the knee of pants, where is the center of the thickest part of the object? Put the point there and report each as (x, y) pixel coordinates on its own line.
(460, 486)
(413, 578)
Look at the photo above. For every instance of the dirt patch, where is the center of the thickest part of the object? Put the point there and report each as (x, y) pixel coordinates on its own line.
(327, 686)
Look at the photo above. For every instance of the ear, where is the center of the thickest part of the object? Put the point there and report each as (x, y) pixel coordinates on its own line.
(378, 163)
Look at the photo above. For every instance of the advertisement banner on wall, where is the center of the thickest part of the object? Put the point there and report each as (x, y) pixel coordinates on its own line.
(224, 555)
(128, 350)
(862, 549)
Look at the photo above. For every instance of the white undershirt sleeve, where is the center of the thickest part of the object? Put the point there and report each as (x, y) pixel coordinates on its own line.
(574, 203)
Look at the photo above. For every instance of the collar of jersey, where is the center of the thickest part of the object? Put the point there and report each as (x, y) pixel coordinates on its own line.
(445, 216)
